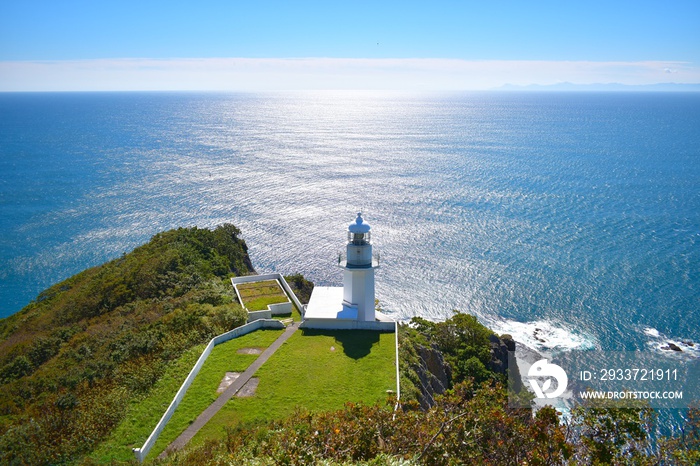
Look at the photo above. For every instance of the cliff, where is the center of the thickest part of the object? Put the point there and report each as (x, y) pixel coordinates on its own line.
(434, 374)
(437, 355)
(75, 357)
(500, 346)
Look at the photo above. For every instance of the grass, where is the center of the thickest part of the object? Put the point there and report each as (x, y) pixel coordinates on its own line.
(261, 303)
(257, 295)
(304, 372)
(319, 371)
(144, 413)
(264, 287)
(223, 358)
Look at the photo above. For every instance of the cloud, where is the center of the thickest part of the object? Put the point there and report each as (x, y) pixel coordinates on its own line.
(251, 74)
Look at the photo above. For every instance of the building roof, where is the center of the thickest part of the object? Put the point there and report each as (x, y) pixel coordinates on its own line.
(326, 302)
(359, 225)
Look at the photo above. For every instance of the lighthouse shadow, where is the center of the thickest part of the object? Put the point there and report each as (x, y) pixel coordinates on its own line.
(356, 343)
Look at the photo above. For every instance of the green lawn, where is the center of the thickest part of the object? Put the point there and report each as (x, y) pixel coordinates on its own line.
(261, 303)
(316, 370)
(223, 358)
(304, 372)
(257, 295)
(143, 414)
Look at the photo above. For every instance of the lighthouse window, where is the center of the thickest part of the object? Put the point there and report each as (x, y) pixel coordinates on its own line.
(358, 238)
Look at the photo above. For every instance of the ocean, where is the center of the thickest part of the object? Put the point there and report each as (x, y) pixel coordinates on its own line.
(570, 220)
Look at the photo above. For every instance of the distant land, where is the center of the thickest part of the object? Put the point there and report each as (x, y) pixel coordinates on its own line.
(599, 87)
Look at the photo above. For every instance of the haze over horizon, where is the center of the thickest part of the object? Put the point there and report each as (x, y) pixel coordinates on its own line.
(218, 45)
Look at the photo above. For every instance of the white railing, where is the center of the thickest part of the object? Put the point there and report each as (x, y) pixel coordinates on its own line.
(398, 377)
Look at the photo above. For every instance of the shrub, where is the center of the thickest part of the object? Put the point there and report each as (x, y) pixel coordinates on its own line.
(89, 344)
(18, 367)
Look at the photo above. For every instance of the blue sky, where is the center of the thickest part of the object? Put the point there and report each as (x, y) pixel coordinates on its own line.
(92, 45)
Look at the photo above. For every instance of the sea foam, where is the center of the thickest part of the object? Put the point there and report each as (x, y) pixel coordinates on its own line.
(545, 337)
(663, 344)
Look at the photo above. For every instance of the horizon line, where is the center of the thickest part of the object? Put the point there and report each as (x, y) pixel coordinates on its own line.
(278, 74)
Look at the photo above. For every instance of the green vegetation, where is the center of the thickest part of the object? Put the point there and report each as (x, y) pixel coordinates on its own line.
(261, 303)
(301, 287)
(317, 371)
(73, 361)
(470, 424)
(257, 295)
(143, 413)
(462, 340)
(295, 315)
(88, 368)
(223, 358)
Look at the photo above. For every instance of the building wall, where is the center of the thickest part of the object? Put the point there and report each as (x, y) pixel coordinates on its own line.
(338, 324)
(255, 315)
(272, 310)
(358, 289)
(280, 308)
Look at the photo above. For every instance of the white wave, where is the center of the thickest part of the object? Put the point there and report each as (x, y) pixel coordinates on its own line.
(544, 336)
(663, 344)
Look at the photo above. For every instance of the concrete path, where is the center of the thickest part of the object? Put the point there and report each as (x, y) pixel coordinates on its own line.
(214, 408)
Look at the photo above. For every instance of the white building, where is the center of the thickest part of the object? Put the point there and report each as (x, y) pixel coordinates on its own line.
(351, 306)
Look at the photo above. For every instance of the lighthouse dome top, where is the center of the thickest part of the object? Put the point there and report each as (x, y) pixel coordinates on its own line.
(359, 225)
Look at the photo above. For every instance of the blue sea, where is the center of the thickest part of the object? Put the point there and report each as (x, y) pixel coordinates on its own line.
(571, 220)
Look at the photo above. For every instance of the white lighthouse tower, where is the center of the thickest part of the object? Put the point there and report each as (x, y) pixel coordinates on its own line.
(352, 305)
(358, 271)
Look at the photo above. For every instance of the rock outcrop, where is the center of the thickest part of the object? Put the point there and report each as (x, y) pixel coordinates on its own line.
(434, 374)
(671, 347)
(500, 346)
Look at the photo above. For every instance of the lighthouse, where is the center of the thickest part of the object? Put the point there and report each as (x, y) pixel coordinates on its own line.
(351, 306)
(358, 271)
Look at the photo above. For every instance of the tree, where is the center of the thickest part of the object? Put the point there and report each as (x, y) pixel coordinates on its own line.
(684, 448)
(613, 433)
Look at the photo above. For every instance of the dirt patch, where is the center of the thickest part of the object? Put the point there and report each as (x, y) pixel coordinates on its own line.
(246, 390)
(249, 388)
(250, 351)
(228, 379)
